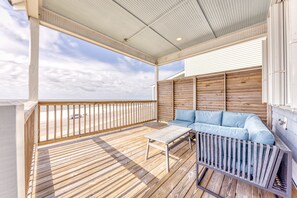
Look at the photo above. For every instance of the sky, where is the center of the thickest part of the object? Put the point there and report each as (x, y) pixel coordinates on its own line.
(69, 68)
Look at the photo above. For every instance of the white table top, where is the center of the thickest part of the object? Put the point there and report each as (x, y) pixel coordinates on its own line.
(168, 134)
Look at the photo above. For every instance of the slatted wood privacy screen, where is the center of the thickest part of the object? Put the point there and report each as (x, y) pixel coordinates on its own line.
(237, 91)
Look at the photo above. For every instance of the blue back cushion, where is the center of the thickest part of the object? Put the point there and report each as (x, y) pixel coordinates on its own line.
(233, 119)
(185, 115)
(209, 117)
(258, 132)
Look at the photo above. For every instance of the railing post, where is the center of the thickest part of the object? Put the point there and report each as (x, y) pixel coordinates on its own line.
(12, 177)
(156, 90)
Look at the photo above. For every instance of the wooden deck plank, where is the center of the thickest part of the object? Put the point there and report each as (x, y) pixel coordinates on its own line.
(197, 192)
(166, 188)
(112, 165)
(228, 187)
(214, 184)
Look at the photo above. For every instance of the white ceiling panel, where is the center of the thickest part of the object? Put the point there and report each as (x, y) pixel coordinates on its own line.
(103, 16)
(227, 16)
(151, 43)
(148, 10)
(186, 22)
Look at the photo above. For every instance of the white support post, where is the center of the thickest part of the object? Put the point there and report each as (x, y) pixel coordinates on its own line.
(264, 72)
(156, 88)
(12, 166)
(34, 59)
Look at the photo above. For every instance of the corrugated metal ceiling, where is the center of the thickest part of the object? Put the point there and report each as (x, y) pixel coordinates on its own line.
(153, 26)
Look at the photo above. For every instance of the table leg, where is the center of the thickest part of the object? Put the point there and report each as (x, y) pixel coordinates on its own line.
(167, 158)
(147, 149)
(190, 143)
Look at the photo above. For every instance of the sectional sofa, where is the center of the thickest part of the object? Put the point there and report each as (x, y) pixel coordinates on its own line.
(243, 126)
(238, 145)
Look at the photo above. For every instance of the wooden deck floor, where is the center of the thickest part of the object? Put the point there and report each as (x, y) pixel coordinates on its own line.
(113, 165)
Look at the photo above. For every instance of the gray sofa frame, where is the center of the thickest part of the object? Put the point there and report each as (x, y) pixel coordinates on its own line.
(268, 167)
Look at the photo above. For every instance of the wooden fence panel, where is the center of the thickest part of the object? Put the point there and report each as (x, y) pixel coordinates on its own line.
(210, 92)
(244, 93)
(165, 100)
(183, 94)
(237, 91)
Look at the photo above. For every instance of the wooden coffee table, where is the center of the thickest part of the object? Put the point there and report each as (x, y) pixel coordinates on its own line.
(166, 136)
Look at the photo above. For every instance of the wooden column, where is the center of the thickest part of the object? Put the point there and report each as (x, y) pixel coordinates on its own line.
(34, 59)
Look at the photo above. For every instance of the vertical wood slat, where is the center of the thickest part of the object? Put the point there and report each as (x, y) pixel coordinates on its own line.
(98, 117)
(117, 115)
(113, 115)
(68, 124)
(90, 118)
(55, 121)
(85, 118)
(47, 122)
(39, 124)
(79, 122)
(61, 121)
(102, 116)
(94, 118)
(73, 119)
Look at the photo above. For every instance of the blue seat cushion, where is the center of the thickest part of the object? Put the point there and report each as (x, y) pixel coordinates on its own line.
(209, 117)
(181, 123)
(239, 133)
(258, 132)
(233, 119)
(185, 115)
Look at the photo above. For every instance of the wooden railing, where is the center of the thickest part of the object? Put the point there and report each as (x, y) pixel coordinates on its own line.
(29, 140)
(66, 120)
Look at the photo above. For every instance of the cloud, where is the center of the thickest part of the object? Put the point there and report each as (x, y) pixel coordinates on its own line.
(65, 70)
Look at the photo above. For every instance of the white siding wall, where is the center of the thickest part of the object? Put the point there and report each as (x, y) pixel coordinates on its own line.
(239, 56)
